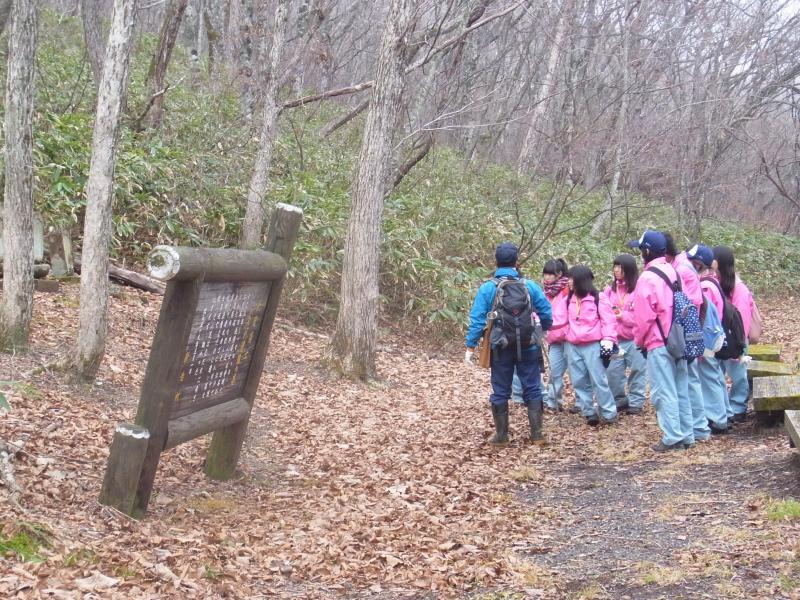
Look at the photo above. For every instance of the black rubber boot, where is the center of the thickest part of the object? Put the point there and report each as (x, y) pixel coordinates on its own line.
(500, 415)
(535, 410)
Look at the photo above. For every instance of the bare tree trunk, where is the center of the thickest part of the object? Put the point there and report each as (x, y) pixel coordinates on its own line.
(527, 157)
(157, 73)
(93, 37)
(93, 314)
(233, 36)
(5, 13)
(604, 220)
(354, 342)
(18, 210)
(254, 211)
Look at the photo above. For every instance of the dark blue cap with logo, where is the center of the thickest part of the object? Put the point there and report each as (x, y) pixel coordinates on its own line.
(650, 240)
(702, 253)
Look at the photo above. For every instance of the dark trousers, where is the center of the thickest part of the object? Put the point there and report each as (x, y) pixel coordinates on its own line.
(503, 364)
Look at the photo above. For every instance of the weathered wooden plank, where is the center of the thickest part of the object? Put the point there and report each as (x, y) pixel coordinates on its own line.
(128, 450)
(162, 378)
(791, 420)
(764, 368)
(776, 393)
(768, 352)
(205, 421)
(226, 444)
(169, 263)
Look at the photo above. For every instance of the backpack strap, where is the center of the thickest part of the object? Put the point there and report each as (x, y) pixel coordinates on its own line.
(671, 286)
(721, 293)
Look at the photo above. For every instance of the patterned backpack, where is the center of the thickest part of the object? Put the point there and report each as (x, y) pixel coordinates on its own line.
(685, 340)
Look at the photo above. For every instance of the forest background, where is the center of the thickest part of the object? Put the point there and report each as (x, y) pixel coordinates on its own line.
(567, 127)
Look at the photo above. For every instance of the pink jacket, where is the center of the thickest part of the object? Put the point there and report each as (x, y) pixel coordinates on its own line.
(558, 331)
(652, 299)
(622, 306)
(590, 324)
(742, 299)
(712, 293)
(690, 282)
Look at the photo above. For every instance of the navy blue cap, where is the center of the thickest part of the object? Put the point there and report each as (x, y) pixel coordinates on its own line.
(650, 240)
(702, 253)
(506, 254)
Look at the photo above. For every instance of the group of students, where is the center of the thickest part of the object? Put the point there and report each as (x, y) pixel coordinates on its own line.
(612, 343)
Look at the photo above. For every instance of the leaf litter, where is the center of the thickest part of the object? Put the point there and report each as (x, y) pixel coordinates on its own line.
(385, 490)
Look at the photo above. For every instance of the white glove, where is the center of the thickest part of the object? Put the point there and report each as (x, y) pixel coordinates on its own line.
(746, 360)
(607, 345)
(468, 357)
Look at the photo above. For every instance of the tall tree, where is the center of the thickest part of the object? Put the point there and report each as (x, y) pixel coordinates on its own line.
(254, 211)
(93, 37)
(5, 13)
(93, 314)
(354, 342)
(18, 207)
(157, 73)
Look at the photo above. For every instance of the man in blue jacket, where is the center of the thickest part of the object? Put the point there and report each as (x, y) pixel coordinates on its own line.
(505, 359)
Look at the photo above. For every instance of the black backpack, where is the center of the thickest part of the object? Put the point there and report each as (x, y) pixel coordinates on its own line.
(513, 317)
(732, 324)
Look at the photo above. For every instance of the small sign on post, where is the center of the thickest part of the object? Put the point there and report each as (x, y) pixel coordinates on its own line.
(206, 360)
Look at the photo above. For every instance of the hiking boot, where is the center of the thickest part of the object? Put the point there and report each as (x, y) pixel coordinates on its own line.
(612, 421)
(535, 421)
(593, 421)
(500, 416)
(662, 447)
(738, 418)
(621, 404)
(574, 410)
(633, 410)
(719, 430)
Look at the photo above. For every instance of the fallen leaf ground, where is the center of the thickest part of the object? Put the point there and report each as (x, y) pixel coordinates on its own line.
(386, 490)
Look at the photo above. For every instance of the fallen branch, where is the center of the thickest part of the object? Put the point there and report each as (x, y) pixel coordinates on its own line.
(131, 278)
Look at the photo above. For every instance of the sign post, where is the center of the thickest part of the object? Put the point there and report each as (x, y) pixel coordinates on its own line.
(206, 360)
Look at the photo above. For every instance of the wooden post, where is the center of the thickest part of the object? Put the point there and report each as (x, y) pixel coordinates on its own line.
(124, 467)
(162, 378)
(226, 443)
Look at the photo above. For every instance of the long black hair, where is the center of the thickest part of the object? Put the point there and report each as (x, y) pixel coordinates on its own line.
(582, 281)
(725, 266)
(555, 266)
(630, 272)
(672, 249)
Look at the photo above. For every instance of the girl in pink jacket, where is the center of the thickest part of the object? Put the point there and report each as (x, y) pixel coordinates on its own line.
(737, 293)
(556, 288)
(620, 295)
(591, 328)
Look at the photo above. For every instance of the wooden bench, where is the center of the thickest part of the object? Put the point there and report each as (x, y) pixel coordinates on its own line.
(767, 368)
(768, 352)
(791, 420)
(776, 393)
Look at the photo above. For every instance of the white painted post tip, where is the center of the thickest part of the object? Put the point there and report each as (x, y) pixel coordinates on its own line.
(163, 263)
(139, 433)
(289, 207)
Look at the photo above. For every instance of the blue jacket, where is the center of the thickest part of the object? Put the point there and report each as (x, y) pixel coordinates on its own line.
(485, 298)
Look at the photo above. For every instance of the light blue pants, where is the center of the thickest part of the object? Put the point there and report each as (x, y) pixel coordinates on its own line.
(637, 380)
(712, 381)
(557, 355)
(699, 421)
(740, 388)
(667, 376)
(587, 374)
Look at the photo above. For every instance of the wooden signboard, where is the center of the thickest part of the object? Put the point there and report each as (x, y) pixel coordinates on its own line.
(206, 360)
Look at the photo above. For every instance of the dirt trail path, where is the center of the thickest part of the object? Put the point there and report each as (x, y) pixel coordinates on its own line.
(386, 490)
